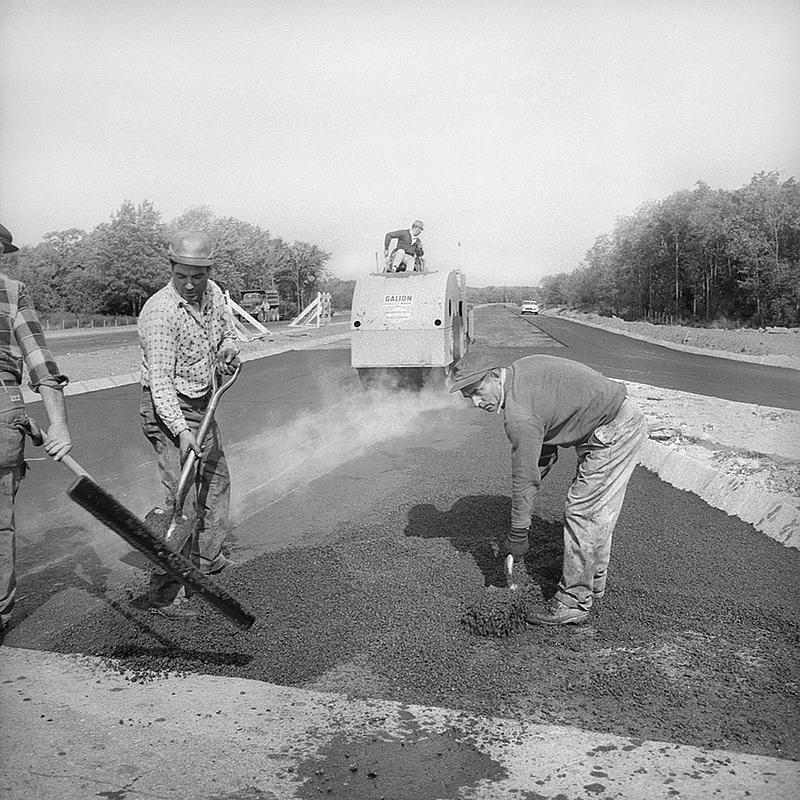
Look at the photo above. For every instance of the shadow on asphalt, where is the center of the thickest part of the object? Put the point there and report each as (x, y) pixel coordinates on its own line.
(475, 525)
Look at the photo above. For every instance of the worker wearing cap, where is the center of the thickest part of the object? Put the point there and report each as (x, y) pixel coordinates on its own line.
(22, 340)
(552, 401)
(185, 333)
(408, 252)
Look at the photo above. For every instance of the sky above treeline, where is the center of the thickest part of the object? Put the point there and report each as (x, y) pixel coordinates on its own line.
(517, 130)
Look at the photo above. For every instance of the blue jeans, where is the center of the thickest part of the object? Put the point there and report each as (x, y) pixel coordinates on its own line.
(12, 468)
(594, 501)
(212, 495)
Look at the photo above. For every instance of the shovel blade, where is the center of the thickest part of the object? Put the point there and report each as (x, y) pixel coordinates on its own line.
(509, 570)
(101, 505)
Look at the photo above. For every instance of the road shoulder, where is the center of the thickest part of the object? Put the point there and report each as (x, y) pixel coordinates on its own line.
(83, 730)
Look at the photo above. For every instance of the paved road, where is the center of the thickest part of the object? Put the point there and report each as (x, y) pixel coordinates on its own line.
(272, 391)
(629, 359)
(89, 340)
(364, 524)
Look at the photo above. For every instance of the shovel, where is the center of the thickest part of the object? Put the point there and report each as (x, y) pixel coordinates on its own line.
(101, 505)
(176, 534)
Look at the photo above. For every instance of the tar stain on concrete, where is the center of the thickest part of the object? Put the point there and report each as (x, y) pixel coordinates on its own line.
(246, 793)
(424, 765)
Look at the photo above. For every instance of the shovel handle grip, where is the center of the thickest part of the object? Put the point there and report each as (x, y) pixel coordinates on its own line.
(71, 464)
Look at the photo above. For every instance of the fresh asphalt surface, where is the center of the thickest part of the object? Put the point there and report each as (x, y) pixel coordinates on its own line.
(627, 359)
(680, 564)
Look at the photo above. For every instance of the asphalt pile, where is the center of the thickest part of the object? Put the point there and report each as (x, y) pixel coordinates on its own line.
(500, 613)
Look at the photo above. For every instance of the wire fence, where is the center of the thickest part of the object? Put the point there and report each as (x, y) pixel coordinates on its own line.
(61, 322)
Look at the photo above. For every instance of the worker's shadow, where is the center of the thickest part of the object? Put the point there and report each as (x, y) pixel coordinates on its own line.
(478, 524)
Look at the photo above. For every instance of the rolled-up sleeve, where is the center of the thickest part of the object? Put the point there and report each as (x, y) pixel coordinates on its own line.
(42, 367)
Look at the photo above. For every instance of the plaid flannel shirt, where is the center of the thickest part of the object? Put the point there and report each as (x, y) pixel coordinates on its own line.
(22, 339)
(179, 347)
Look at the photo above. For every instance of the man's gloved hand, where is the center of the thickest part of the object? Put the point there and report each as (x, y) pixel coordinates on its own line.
(547, 458)
(516, 543)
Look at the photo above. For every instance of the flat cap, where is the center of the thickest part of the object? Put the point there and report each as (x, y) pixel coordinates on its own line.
(5, 240)
(470, 369)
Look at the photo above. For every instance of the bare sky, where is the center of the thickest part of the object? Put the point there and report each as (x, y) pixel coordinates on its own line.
(519, 129)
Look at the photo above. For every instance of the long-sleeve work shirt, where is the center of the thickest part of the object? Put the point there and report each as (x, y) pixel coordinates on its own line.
(406, 241)
(22, 339)
(179, 345)
(552, 401)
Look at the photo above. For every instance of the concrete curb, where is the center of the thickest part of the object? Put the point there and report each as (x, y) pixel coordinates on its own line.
(98, 384)
(83, 730)
(775, 514)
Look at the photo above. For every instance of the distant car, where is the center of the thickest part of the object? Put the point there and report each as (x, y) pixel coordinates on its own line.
(530, 307)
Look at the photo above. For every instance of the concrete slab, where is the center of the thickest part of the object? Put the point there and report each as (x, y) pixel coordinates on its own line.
(81, 729)
(773, 513)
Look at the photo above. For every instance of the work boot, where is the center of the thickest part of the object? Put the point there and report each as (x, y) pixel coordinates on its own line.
(223, 562)
(176, 611)
(554, 612)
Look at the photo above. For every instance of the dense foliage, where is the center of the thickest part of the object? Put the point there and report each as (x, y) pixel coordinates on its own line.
(699, 255)
(115, 267)
(501, 294)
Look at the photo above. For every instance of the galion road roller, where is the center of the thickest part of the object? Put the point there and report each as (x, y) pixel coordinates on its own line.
(408, 328)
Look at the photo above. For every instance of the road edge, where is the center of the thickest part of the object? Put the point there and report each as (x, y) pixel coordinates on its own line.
(81, 728)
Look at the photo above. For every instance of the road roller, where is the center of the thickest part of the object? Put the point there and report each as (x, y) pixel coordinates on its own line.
(407, 328)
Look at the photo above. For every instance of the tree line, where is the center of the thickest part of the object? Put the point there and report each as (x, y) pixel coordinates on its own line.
(115, 267)
(700, 255)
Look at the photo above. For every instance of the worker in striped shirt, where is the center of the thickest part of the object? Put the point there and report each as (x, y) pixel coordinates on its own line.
(185, 333)
(22, 341)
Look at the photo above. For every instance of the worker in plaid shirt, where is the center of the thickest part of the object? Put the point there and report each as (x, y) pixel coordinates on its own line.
(22, 340)
(185, 333)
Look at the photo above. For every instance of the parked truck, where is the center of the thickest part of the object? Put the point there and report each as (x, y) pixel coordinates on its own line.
(263, 304)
